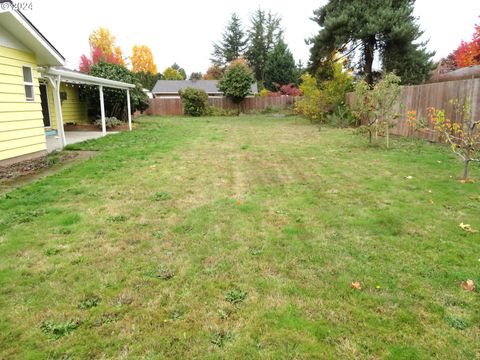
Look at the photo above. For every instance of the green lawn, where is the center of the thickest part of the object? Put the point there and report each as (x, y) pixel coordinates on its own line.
(238, 238)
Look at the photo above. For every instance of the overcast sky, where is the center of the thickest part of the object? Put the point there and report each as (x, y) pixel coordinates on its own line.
(182, 31)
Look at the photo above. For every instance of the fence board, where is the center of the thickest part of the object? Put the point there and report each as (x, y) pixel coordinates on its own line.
(438, 95)
(166, 106)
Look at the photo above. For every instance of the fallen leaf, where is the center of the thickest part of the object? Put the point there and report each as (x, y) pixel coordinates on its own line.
(356, 285)
(467, 181)
(468, 285)
(467, 228)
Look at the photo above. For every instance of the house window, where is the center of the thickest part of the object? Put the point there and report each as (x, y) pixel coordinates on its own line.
(28, 83)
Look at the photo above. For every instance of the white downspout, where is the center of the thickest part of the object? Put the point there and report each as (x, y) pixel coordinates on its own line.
(129, 111)
(102, 111)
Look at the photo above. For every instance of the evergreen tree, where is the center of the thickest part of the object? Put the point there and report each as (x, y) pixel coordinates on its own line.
(263, 34)
(196, 76)
(232, 45)
(280, 67)
(180, 70)
(386, 28)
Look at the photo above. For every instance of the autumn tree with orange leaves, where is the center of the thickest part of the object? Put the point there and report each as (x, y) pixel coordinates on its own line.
(102, 48)
(214, 72)
(462, 133)
(468, 53)
(102, 38)
(142, 60)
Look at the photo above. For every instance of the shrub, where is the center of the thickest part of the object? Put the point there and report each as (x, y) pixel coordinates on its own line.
(236, 82)
(195, 101)
(322, 99)
(341, 117)
(264, 92)
(289, 90)
(115, 99)
(110, 122)
(312, 105)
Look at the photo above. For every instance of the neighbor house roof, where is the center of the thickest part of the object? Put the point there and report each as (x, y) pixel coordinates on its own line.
(174, 86)
(16, 23)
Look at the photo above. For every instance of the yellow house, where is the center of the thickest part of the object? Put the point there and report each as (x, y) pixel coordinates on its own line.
(37, 94)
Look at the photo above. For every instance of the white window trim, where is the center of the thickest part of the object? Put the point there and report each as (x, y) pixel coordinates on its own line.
(28, 83)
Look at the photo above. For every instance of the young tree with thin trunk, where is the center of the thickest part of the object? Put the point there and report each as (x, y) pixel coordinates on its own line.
(463, 134)
(375, 108)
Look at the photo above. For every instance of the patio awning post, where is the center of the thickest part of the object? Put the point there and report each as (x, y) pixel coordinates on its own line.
(57, 102)
(129, 111)
(102, 111)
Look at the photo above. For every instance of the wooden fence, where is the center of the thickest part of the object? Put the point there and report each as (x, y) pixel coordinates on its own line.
(166, 106)
(438, 95)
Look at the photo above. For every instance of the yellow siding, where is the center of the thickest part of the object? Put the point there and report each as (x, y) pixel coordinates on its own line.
(74, 111)
(21, 121)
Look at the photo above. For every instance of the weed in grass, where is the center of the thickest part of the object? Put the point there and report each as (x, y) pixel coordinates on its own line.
(161, 272)
(236, 296)
(123, 299)
(224, 313)
(456, 322)
(23, 217)
(161, 196)
(117, 218)
(70, 219)
(58, 330)
(51, 251)
(183, 229)
(89, 302)
(220, 338)
(177, 314)
(52, 159)
(107, 318)
(157, 234)
(255, 251)
(63, 231)
(78, 260)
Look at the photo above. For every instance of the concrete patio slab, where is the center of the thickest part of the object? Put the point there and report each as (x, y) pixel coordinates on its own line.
(73, 137)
